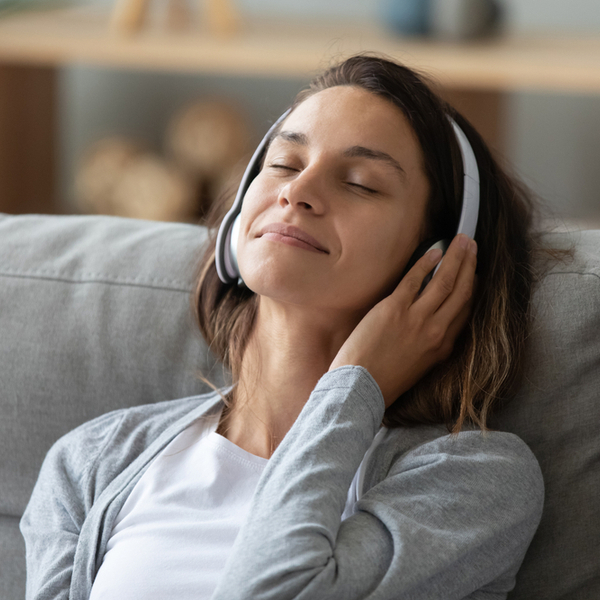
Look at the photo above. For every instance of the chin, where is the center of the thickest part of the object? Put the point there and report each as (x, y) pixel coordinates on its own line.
(273, 280)
(291, 289)
(287, 292)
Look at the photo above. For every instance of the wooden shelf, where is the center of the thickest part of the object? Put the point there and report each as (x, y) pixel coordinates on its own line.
(475, 77)
(276, 49)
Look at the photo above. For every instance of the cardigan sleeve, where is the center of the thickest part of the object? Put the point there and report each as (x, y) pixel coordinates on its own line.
(453, 516)
(60, 501)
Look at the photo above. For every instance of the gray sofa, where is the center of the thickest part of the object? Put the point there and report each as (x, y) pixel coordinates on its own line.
(95, 314)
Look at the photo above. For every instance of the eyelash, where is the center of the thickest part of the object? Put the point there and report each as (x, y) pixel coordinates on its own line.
(285, 167)
(363, 188)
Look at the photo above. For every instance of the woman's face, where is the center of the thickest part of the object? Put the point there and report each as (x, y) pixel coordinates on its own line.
(346, 174)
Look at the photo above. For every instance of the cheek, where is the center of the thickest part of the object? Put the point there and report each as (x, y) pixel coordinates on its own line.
(394, 235)
(253, 206)
(371, 267)
(252, 218)
(257, 198)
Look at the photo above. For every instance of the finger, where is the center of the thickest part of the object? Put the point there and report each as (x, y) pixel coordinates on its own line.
(453, 331)
(443, 283)
(448, 323)
(410, 286)
(462, 292)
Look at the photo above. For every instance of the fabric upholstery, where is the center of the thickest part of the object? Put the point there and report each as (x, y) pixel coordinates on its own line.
(12, 562)
(95, 314)
(557, 413)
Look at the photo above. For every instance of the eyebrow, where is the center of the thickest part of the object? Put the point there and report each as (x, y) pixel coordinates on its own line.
(294, 137)
(362, 152)
(354, 152)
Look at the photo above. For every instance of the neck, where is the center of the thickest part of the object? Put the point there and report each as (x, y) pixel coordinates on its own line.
(290, 348)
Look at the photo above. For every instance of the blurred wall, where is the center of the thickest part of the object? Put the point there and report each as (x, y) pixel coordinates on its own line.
(553, 140)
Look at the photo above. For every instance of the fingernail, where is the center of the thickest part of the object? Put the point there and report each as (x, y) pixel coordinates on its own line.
(434, 255)
(463, 241)
(473, 246)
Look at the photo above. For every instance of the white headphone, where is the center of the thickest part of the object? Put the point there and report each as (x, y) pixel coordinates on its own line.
(228, 234)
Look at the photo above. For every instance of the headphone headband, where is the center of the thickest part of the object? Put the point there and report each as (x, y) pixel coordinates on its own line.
(469, 213)
(227, 236)
(226, 248)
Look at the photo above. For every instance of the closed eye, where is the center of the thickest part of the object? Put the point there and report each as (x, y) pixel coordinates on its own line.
(362, 188)
(357, 186)
(282, 167)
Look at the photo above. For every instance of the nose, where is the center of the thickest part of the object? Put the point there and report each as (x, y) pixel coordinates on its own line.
(305, 191)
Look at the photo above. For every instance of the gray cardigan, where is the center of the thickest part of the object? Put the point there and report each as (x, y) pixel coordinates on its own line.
(440, 516)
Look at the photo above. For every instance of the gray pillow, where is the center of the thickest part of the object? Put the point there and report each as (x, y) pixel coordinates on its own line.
(557, 412)
(95, 314)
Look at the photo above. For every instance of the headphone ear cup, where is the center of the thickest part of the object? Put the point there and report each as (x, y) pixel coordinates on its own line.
(233, 243)
(226, 244)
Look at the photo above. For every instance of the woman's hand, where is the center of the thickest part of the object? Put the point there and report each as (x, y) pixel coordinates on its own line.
(406, 334)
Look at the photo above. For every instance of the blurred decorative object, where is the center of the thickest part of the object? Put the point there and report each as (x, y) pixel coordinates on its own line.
(463, 19)
(221, 17)
(100, 169)
(406, 17)
(207, 139)
(206, 142)
(443, 19)
(122, 177)
(151, 188)
(13, 6)
(128, 16)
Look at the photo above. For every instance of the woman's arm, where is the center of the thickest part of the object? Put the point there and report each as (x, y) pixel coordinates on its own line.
(61, 499)
(451, 517)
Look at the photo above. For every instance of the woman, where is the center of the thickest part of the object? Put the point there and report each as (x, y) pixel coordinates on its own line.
(286, 485)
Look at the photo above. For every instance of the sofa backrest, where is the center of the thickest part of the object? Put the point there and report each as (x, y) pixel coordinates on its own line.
(95, 314)
(557, 413)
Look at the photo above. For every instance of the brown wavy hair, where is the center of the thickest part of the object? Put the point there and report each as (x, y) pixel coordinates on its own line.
(487, 359)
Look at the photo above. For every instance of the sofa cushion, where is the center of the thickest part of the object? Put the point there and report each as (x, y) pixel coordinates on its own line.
(95, 315)
(557, 413)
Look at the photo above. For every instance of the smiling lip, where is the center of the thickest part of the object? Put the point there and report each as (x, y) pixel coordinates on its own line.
(291, 235)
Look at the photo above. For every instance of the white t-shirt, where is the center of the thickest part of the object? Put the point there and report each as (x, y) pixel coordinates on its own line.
(176, 529)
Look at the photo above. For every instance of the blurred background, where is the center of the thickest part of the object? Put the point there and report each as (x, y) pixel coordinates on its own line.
(149, 108)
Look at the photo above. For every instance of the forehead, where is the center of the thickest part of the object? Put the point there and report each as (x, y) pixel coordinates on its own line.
(345, 116)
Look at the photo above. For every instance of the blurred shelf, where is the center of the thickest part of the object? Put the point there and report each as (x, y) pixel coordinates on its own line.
(475, 77)
(81, 35)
